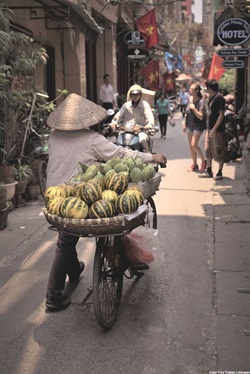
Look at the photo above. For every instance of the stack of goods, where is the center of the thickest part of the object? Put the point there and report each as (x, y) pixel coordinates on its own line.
(100, 191)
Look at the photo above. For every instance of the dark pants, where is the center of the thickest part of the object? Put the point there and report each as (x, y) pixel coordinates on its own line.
(183, 109)
(163, 118)
(65, 263)
(107, 106)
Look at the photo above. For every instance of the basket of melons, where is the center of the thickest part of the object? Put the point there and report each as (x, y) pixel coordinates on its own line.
(138, 173)
(99, 206)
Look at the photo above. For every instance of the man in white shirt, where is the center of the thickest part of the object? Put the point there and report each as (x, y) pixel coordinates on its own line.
(106, 95)
(138, 111)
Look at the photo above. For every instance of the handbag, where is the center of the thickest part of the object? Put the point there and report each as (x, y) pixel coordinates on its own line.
(172, 122)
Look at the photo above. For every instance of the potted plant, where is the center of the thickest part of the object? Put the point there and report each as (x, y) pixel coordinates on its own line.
(20, 55)
(7, 172)
(23, 173)
(5, 207)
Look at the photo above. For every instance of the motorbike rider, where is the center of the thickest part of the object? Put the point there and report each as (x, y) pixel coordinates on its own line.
(137, 111)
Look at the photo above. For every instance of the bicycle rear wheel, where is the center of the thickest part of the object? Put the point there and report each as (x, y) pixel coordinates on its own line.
(151, 205)
(42, 176)
(107, 280)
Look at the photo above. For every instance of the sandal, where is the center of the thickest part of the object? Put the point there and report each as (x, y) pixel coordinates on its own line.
(193, 168)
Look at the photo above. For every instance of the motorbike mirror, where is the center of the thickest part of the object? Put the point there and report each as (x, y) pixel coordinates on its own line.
(110, 112)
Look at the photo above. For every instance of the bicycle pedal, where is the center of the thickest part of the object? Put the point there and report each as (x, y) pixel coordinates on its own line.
(140, 266)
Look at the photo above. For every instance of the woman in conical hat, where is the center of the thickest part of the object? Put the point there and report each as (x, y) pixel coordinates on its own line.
(74, 140)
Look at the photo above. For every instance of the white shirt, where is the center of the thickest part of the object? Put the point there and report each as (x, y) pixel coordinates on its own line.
(141, 114)
(106, 94)
(68, 148)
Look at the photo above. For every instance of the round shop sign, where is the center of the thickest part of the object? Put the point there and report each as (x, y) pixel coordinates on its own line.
(233, 31)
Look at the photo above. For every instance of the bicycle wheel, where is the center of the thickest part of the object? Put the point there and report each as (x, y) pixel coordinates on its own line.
(107, 280)
(152, 209)
(42, 176)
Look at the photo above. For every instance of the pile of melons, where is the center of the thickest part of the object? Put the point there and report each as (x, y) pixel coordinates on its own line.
(105, 195)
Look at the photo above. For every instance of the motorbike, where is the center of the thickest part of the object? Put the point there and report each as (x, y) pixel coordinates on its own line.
(128, 136)
(233, 126)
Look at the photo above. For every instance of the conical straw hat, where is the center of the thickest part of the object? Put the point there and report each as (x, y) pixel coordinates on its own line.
(76, 113)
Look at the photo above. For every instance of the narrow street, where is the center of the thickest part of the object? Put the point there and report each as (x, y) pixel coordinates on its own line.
(186, 315)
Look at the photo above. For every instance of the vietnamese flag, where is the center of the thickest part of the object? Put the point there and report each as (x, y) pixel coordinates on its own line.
(151, 74)
(147, 27)
(168, 79)
(216, 69)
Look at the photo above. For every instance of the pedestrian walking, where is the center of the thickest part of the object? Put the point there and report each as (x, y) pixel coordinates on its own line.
(106, 94)
(215, 139)
(75, 140)
(194, 125)
(183, 101)
(163, 111)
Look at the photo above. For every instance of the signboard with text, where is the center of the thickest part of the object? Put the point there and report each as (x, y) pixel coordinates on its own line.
(233, 31)
(243, 52)
(133, 38)
(137, 54)
(238, 64)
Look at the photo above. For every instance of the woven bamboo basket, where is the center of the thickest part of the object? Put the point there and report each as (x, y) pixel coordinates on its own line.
(150, 187)
(100, 226)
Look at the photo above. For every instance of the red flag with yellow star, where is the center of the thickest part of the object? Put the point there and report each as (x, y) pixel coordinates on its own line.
(216, 69)
(147, 27)
(168, 79)
(151, 74)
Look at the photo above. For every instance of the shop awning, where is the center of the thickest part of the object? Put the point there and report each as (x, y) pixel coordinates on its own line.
(76, 14)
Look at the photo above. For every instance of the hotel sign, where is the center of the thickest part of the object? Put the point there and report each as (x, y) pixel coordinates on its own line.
(233, 31)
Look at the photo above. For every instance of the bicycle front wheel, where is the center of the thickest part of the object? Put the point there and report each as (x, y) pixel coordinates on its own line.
(107, 280)
(42, 176)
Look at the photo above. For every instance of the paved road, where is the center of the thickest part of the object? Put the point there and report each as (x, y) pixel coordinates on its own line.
(185, 316)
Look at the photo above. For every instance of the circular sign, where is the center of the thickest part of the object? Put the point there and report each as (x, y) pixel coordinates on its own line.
(233, 31)
(133, 38)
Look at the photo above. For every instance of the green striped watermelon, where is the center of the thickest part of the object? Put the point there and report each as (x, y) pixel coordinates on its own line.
(54, 205)
(116, 182)
(110, 196)
(72, 207)
(101, 209)
(126, 203)
(136, 192)
(91, 192)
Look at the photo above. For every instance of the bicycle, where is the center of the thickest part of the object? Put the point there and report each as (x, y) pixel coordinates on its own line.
(110, 265)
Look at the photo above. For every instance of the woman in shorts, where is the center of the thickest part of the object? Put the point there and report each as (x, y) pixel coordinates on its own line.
(194, 125)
